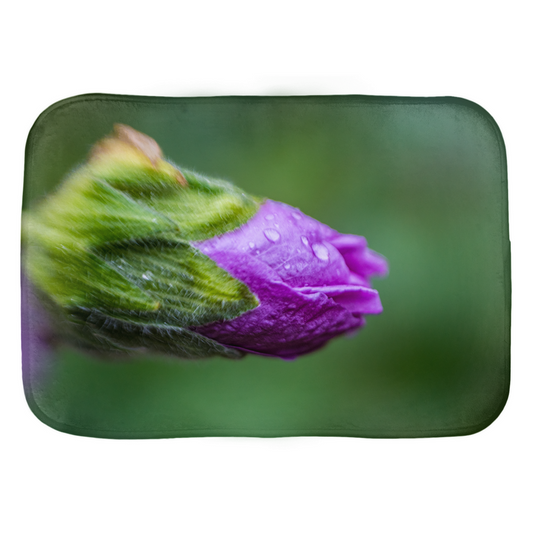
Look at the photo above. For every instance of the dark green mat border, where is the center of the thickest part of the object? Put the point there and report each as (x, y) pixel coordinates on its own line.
(339, 100)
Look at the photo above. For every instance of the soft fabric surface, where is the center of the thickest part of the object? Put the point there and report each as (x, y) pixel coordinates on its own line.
(422, 181)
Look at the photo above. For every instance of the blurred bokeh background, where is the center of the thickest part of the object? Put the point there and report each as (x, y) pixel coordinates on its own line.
(422, 179)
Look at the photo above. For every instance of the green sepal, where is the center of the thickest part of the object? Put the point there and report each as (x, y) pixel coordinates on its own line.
(190, 288)
(114, 336)
(114, 241)
(207, 207)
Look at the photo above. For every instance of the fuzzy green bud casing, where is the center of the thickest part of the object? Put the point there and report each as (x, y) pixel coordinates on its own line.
(110, 251)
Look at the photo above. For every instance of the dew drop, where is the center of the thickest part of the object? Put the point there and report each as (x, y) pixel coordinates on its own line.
(296, 216)
(272, 235)
(287, 266)
(251, 245)
(321, 251)
(270, 217)
(304, 240)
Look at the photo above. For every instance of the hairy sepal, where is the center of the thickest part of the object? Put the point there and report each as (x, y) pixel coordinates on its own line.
(110, 249)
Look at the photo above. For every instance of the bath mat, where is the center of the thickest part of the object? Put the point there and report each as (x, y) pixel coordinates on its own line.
(265, 267)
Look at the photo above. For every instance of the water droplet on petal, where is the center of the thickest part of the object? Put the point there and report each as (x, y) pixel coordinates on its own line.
(304, 240)
(270, 217)
(272, 235)
(296, 216)
(320, 251)
(251, 245)
(287, 266)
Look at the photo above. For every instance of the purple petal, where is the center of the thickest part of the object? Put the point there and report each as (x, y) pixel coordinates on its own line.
(311, 281)
(354, 299)
(37, 339)
(286, 322)
(359, 259)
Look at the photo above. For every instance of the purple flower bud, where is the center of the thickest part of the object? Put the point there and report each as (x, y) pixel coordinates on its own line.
(134, 255)
(311, 281)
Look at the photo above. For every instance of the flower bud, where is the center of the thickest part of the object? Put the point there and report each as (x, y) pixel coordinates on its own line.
(133, 254)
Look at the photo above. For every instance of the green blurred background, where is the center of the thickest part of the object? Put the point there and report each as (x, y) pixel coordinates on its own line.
(424, 180)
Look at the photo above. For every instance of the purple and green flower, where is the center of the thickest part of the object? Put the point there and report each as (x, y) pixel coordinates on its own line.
(133, 254)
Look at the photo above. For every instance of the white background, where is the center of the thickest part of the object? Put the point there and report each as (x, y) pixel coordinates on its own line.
(476, 50)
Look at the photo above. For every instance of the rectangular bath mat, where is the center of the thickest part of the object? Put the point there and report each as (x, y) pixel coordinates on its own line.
(265, 266)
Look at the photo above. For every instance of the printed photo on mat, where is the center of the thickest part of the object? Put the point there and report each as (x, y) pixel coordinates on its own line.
(265, 266)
